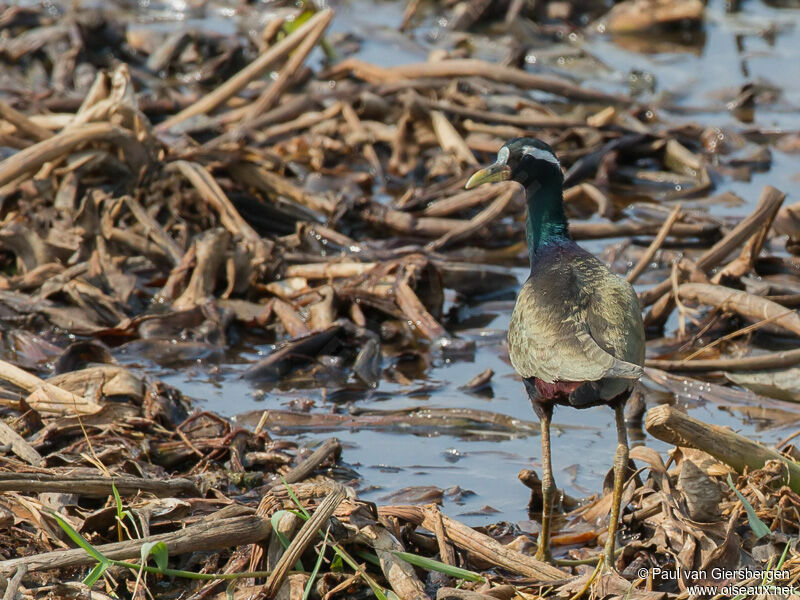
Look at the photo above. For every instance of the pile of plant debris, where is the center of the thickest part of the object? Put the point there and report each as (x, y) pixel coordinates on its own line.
(219, 510)
(161, 194)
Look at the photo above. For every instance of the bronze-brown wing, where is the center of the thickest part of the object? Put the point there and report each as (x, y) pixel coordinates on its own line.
(549, 337)
(614, 319)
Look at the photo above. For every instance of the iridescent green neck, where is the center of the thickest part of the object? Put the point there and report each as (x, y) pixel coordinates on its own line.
(547, 222)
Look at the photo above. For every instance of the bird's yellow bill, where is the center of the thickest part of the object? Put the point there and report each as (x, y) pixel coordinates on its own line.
(488, 175)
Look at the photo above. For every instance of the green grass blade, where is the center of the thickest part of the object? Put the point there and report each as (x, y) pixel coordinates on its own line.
(294, 498)
(117, 501)
(79, 539)
(315, 570)
(159, 552)
(128, 514)
(373, 585)
(337, 564)
(289, 27)
(120, 511)
(440, 567)
(779, 567)
(380, 594)
(369, 557)
(95, 574)
(274, 519)
(756, 524)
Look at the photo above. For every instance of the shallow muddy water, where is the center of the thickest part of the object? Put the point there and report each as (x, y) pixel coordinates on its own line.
(695, 74)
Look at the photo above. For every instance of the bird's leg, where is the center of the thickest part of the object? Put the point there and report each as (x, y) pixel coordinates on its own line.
(620, 466)
(548, 490)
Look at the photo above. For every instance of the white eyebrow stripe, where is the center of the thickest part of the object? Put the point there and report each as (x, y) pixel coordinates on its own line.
(502, 155)
(541, 154)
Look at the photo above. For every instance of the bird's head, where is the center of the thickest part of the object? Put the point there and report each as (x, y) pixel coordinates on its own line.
(524, 160)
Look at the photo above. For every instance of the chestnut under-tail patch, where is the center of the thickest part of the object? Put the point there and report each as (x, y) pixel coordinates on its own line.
(558, 390)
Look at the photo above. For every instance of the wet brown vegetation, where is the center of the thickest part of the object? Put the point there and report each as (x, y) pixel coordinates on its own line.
(167, 197)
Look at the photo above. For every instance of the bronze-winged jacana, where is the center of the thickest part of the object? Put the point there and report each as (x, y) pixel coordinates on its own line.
(576, 335)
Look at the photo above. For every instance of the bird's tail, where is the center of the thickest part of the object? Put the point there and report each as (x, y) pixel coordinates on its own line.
(624, 370)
